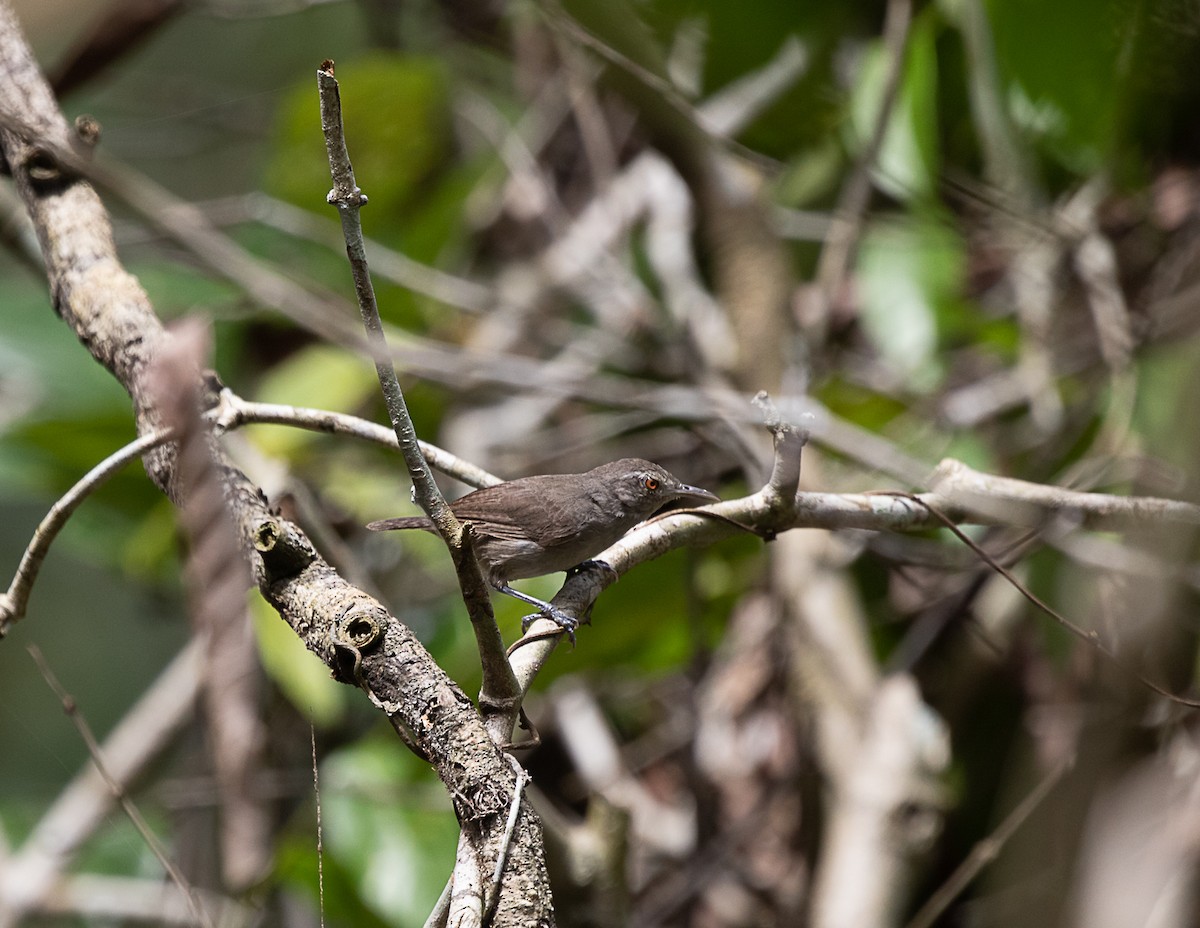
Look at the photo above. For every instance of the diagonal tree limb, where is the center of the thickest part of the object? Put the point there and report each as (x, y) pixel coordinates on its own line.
(113, 317)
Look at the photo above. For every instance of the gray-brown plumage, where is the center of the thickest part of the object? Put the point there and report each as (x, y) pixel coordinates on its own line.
(539, 525)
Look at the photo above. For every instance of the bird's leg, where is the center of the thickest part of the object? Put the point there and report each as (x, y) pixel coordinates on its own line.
(591, 563)
(566, 622)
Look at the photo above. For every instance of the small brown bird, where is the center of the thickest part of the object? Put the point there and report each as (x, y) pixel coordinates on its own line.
(534, 526)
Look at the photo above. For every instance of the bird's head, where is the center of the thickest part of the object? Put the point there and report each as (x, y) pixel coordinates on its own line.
(641, 487)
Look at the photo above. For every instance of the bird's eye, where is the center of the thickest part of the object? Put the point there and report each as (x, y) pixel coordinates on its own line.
(650, 483)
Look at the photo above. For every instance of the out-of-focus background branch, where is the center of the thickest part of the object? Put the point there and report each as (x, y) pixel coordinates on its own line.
(944, 231)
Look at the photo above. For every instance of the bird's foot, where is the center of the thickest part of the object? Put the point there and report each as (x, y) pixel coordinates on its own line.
(568, 623)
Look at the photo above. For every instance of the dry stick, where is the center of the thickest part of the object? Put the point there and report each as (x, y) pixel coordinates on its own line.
(14, 603)
(1091, 637)
(348, 199)
(233, 412)
(985, 851)
(499, 689)
(135, 816)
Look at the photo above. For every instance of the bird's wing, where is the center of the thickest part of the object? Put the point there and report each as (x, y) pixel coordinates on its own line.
(507, 510)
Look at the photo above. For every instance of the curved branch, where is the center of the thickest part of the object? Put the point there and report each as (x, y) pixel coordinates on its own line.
(14, 603)
(234, 412)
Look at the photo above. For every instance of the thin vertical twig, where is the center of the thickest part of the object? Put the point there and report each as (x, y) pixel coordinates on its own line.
(348, 200)
(846, 223)
(312, 731)
(499, 689)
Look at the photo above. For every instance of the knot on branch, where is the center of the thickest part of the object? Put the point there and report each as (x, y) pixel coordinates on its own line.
(353, 635)
(87, 133)
(46, 172)
(347, 199)
(359, 630)
(283, 552)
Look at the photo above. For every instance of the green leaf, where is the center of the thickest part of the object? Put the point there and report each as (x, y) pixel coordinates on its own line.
(909, 271)
(383, 825)
(1060, 64)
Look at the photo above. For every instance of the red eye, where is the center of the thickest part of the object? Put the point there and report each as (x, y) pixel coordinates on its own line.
(650, 483)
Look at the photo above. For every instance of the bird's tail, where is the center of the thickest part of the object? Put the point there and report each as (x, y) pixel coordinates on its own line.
(404, 522)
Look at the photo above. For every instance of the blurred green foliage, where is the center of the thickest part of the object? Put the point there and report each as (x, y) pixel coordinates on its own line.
(214, 107)
(399, 119)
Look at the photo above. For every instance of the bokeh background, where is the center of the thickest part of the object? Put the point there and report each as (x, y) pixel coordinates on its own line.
(1019, 291)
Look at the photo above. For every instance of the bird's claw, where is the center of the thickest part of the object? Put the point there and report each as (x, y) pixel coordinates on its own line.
(568, 623)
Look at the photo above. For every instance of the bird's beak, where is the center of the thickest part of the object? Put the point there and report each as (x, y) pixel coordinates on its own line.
(685, 492)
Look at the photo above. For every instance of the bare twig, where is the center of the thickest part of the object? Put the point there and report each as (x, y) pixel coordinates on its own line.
(499, 685)
(349, 199)
(29, 876)
(985, 851)
(118, 791)
(14, 603)
(312, 733)
(510, 825)
(234, 412)
(1006, 500)
(1087, 635)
